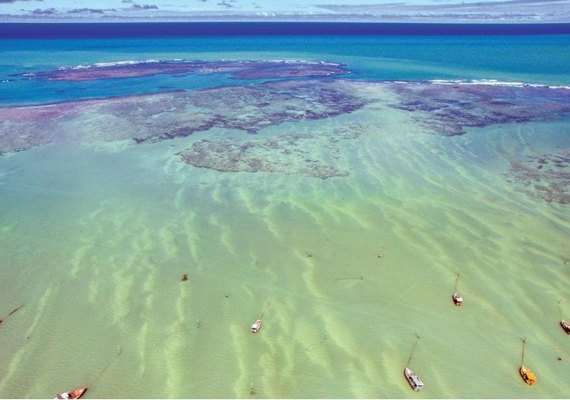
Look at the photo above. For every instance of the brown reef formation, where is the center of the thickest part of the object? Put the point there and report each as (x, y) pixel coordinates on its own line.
(236, 69)
(546, 176)
(156, 117)
(296, 154)
(444, 108)
(450, 108)
(22, 128)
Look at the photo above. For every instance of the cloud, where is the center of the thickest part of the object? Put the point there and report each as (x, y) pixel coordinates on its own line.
(13, 1)
(86, 11)
(144, 7)
(44, 11)
(226, 4)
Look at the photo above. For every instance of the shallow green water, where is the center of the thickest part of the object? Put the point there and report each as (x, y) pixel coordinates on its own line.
(344, 271)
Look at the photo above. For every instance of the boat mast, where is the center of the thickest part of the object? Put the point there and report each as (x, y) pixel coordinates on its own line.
(107, 366)
(413, 349)
(524, 343)
(264, 309)
(12, 312)
(456, 281)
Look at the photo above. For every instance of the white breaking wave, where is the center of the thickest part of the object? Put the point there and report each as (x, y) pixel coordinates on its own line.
(494, 82)
(178, 60)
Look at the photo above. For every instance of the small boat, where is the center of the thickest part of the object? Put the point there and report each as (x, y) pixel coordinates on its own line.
(528, 376)
(256, 326)
(565, 325)
(74, 394)
(457, 299)
(413, 379)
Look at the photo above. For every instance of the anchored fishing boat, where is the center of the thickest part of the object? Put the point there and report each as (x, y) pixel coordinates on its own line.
(74, 394)
(528, 376)
(457, 299)
(256, 326)
(413, 379)
(565, 326)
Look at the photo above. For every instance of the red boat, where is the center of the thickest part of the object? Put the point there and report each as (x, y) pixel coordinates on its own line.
(74, 394)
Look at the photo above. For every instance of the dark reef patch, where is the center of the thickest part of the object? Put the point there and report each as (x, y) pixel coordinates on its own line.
(22, 128)
(546, 176)
(445, 108)
(163, 116)
(236, 69)
(449, 108)
(302, 153)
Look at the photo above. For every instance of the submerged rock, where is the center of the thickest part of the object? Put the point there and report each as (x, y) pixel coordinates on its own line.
(449, 108)
(292, 154)
(263, 69)
(444, 108)
(163, 116)
(546, 176)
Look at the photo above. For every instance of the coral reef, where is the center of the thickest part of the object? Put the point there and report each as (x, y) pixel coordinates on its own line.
(22, 128)
(236, 69)
(445, 108)
(546, 176)
(449, 108)
(299, 154)
(156, 117)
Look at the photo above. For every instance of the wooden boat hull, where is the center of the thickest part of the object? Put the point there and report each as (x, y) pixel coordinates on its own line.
(413, 379)
(73, 394)
(457, 299)
(565, 326)
(528, 376)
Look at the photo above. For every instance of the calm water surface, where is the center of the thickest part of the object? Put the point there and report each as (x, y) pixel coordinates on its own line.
(345, 271)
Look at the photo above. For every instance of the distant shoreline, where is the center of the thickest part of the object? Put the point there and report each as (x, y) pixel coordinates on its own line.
(51, 30)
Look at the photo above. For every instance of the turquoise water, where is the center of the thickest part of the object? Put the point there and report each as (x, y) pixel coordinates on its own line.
(533, 59)
(96, 232)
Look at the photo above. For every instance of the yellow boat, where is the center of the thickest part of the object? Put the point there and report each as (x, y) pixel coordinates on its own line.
(528, 376)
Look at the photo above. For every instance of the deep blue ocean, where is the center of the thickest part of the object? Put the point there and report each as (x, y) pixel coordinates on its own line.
(177, 29)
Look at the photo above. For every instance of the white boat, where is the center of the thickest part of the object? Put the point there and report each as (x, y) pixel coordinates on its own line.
(413, 379)
(256, 326)
(457, 299)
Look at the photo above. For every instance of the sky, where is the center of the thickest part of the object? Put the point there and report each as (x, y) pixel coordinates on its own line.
(317, 10)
